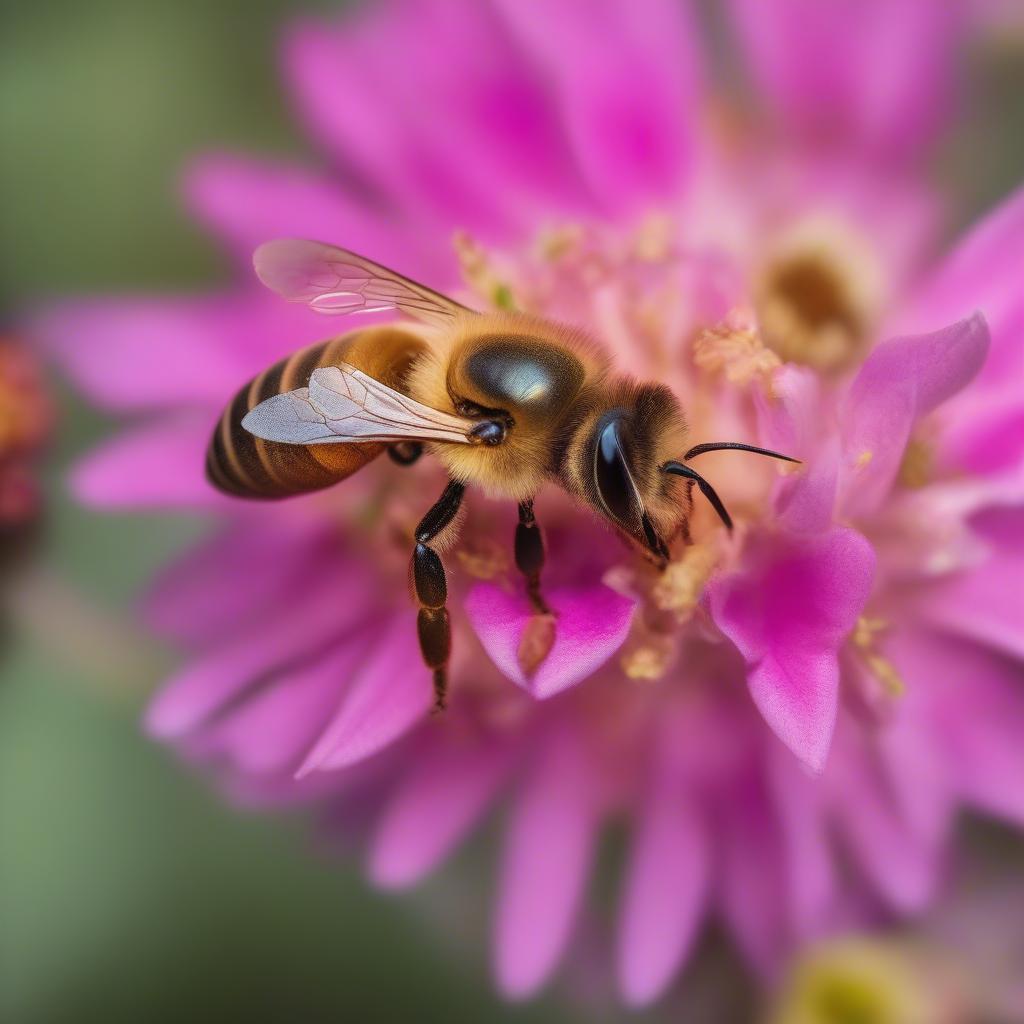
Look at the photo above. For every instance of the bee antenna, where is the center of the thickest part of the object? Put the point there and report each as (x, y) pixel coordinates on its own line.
(678, 469)
(719, 446)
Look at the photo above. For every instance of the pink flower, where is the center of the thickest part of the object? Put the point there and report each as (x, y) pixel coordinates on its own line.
(862, 613)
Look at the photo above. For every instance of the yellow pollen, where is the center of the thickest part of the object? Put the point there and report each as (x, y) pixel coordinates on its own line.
(535, 645)
(679, 587)
(864, 458)
(653, 240)
(918, 461)
(865, 640)
(480, 275)
(648, 661)
(737, 352)
(486, 560)
(558, 243)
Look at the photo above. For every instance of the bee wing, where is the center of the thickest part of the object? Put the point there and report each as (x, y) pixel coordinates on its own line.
(345, 405)
(335, 281)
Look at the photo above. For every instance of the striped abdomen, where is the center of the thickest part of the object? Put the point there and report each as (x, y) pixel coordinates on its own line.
(249, 467)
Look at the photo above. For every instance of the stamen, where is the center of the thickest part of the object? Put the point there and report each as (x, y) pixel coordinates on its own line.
(865, 640)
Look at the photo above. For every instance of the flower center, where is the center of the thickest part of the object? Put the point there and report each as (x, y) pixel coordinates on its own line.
(815, 300)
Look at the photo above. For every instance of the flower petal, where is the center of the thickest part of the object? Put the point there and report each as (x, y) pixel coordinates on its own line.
(326, 611)
(902, 864)
(664, 893)
(806, 859)
(592, 623)
(751, 888)
(982, 603)
(271, 731)
(976, 709)
(982, 273)
(134, 353)
(626, 82)
(809, 60)
(902, 380)
(198, 598)
(788, 611)
(435, 805)
(156, 466)
(246, 202)
(372, 117)
(545, 863)
(389, 694)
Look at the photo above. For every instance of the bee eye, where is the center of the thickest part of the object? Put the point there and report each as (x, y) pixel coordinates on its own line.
(615, 485)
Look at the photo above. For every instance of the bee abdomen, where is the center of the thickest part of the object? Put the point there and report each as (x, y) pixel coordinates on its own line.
(248, 467)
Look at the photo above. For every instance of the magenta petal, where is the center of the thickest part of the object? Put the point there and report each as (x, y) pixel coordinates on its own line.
(751, 878)
(626, 81)
(391, 691)
(248, 202)
(202, 687)
(544, 868)
(982, 603)
(976, 700)
(155, 466)
(902, 380)
(198, 599)
(315, 617)
(788, 613)
(441, 796)
(902, 864)
(983, 272)
(664, 894)
(592, 623)
(270, 732)
(808, 60)
(806, 858)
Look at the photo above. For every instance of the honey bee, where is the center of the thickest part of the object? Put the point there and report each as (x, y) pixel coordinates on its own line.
(506, 401)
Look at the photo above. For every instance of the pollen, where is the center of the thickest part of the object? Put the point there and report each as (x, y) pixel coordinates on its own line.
(536, 642)
(735, 351)
(678, 589)
(917, 465)
(647, 661)
(486, 560)
(865, 640)
(479, 273)
(864, 458)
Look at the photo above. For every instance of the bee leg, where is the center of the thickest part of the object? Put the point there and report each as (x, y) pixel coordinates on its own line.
(405, 453)
(530, 555)
(431, 588)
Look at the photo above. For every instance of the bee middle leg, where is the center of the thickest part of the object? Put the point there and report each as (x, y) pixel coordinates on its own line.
(529, 549)
(432, 623)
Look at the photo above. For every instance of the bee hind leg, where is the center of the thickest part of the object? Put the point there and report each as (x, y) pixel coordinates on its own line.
(431, 589)
(529, 548)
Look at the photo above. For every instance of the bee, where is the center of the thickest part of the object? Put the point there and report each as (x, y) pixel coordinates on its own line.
(506, 401)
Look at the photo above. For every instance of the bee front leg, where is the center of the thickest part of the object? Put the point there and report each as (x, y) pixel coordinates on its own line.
(431, 588)
(530, 555)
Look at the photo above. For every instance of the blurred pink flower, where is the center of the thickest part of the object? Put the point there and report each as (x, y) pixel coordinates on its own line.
(865, 604)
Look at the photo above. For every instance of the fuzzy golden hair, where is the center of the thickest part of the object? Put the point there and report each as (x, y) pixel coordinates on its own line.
(443, 375)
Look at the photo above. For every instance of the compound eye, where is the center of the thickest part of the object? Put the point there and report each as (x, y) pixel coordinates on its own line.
(615, 485)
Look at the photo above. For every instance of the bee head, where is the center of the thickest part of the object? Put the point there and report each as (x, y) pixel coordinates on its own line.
(624, 446)
(630, 479)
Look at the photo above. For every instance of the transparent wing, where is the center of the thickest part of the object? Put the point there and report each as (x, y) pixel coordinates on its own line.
(335, 281)
(344, 405)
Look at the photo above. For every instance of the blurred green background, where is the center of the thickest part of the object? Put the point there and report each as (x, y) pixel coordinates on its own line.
(127, 891)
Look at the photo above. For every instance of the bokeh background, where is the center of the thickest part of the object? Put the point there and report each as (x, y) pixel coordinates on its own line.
(127, 890)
